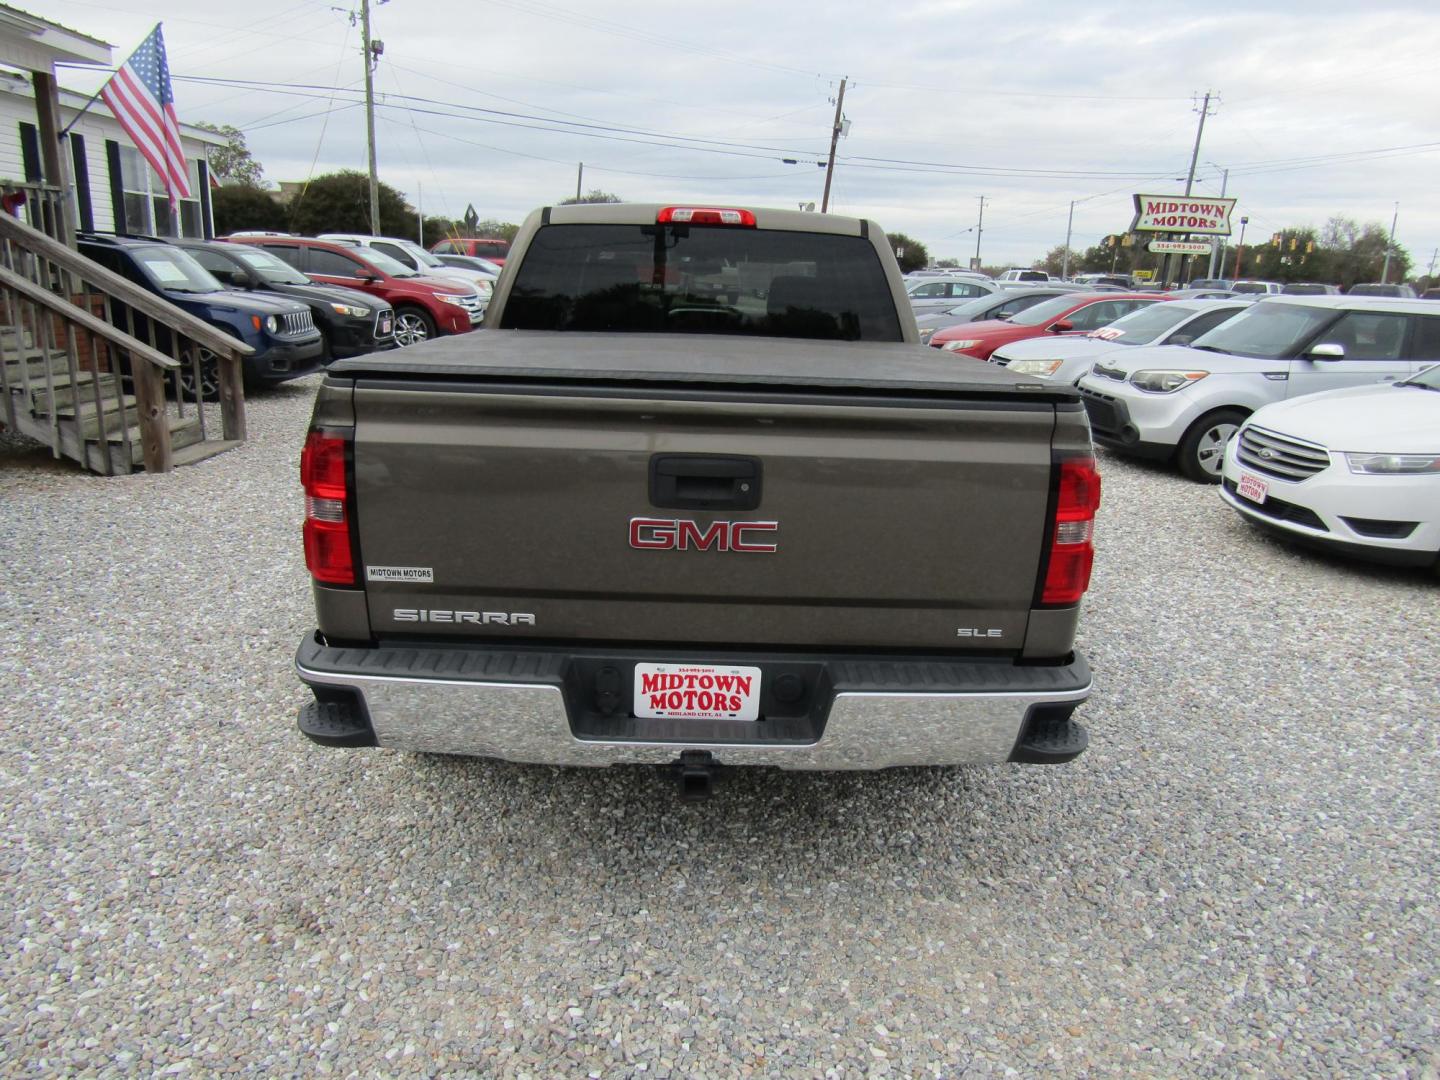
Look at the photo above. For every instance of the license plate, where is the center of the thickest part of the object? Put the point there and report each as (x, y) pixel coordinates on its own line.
(386, 327)
(697, 692)
(1252, 488)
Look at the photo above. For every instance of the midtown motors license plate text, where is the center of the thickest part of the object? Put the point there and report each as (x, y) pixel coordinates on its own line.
(697, 692)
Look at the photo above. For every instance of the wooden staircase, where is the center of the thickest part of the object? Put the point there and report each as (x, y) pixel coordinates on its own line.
(95, 421)
(91, 392)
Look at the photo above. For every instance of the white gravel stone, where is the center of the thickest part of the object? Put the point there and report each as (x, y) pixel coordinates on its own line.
(1239, 878)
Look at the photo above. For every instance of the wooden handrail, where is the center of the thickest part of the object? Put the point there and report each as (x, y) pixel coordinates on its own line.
(78, 315)
(127, 292)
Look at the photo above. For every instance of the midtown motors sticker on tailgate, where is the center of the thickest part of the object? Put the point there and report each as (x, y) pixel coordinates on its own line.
(697, 692)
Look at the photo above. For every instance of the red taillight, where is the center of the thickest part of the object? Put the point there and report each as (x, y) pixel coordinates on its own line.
(705, 215)
(327, 519)
(1072, 534)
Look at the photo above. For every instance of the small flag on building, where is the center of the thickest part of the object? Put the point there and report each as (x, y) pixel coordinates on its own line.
(139, 95)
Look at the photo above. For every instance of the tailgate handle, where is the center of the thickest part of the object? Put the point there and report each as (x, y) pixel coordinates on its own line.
(704, 482)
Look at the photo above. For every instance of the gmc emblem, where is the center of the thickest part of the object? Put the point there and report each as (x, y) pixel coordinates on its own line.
(669, 534)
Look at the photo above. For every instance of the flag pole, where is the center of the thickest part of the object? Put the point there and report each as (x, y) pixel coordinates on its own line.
(93, 98)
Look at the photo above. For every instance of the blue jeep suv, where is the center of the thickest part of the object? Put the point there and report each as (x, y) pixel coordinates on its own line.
(282, 332)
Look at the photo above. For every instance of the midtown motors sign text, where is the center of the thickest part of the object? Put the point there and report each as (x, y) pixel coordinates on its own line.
(1182, 214)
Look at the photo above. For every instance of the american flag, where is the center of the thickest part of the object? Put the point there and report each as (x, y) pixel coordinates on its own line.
(139, 95)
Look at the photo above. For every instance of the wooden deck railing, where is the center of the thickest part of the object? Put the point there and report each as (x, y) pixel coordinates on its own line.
(109, 398)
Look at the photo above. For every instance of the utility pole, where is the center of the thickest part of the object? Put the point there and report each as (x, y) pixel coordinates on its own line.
(419, 213)
(979, 232)
(1065, 259)
(1430, 273)
(834, 138)
(1190, 179)
(579, 179)
(1389, 246)
(372, 51)
(1217, 246)
(1240, 248)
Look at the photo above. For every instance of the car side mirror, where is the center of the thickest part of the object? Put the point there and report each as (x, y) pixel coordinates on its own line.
(1328, 351)
(1062, 326)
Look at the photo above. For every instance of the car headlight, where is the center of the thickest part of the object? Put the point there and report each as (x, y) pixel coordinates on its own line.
(483, 286)
(447, 298)
(1042, 368)
(1393, 464)
(353, 310)
(272, 324)
(956, 346)
(1165, 382)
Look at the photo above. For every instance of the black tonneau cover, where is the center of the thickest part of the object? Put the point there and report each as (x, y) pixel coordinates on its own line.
(687, 359)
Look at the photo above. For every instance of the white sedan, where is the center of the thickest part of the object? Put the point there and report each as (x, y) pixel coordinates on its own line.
(1066, 359)
(1356, 470)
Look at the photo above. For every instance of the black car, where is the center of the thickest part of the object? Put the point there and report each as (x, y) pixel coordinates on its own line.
(352, 322)
(281, 331)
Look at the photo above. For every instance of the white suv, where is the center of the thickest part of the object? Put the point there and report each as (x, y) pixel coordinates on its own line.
(1017, 273)
(408, 253)
(1184, 402)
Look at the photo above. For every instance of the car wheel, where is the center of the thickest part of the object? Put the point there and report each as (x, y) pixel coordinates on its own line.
(412, 326)
(1202, 450)
(209, 375)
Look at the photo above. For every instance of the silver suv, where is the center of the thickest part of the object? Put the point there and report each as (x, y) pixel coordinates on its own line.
(1183, 402)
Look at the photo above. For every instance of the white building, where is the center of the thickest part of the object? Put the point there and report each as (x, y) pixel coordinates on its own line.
(113, 188)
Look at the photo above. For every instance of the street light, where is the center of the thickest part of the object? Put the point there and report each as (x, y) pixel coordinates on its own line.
(1240, 247)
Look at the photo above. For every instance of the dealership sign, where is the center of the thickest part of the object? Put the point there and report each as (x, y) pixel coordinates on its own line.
(1182, 214)
(1180, 247)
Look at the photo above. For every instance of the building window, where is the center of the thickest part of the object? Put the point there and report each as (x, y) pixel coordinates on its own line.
(147, 207)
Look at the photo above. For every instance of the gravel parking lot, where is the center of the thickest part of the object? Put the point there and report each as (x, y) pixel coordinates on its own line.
(1239, 878)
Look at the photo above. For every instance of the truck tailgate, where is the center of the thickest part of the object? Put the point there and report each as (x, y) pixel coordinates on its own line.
(509, 513)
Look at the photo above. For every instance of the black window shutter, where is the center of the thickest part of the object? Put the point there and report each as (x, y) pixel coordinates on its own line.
(82, 182)
(205, 228)
(30, 153)
(117, 184)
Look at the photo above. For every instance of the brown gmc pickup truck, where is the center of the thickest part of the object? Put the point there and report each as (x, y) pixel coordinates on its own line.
(649, 517)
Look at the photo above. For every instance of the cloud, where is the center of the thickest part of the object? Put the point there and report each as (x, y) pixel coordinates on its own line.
(1005, 92)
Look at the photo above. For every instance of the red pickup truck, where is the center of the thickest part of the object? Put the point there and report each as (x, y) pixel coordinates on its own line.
(425, 307)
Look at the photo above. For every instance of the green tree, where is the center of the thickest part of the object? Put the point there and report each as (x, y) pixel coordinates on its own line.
(909, 252)
(436, 229)
(594, 195)
(340, 202)
(233, 162)
(1054, 261)
(490, 228)
(241, 206)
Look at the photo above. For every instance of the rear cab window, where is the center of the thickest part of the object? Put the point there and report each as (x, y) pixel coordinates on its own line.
(676, 278)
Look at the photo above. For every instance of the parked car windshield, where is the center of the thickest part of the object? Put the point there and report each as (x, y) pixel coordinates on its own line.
(381, 261)
(1266, 331)
(698, 279)
(1041, 314)
(274, 270)
(1429, 378)
(175, 270)
(423, 257)
(1144, 325)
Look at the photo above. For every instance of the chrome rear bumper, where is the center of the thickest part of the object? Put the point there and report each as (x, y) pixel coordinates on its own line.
(420, 699)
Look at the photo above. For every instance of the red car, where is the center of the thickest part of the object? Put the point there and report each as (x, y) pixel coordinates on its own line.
(481, 247)
(424, 306)
(1069, 313)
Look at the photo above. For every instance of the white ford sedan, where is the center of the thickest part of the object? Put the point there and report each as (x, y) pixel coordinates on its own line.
(1356, 470)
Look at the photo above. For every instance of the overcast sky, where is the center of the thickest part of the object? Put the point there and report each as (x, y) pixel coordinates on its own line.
(1030, 104)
